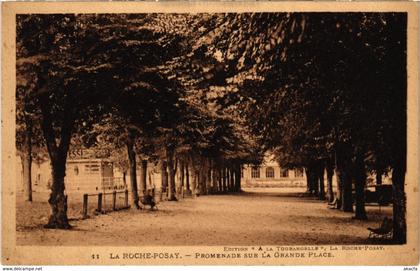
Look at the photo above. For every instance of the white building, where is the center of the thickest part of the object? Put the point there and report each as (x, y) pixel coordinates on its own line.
(86, 175)
(82, 175)
(271, 174)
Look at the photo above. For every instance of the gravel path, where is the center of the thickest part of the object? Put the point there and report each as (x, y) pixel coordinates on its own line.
(261, 217)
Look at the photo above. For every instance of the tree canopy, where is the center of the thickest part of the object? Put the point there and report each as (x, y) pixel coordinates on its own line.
(309, 87)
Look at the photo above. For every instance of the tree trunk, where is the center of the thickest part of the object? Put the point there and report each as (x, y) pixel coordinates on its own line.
(321, 181)
(378, 177)
(187, 179)
(215, 178)
(133, 173)
(340, 184)
(321, 187)
(194, 182)
(229, 179)
(164, 178)
(347, 197)
(58, 200)
(171, 185)
(171, 173)
(359, 184)
(308, 180)
(343, 164)
(224, 177)
(344, 175)
(203, 180)
(330, 173)
(238, 177)
(220, 179)
(312, 180)
(203, 175)
(210, 187)
(232, 179)
(143, 180)
(315, 181)
(27, 162)
(27, 159)
(399, 204)
(181, 177)
(58, 156)
(27, 175)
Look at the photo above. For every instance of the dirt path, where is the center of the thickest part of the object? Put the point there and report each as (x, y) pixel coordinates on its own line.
(244, 219)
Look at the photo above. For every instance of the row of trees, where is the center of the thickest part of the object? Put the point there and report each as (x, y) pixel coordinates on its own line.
(330, 96)
(108, 82)
(321, 91)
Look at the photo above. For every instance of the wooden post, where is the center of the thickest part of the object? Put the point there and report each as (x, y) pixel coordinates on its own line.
(99, 202)
(114, 200)
(126, 198)
(85, 205)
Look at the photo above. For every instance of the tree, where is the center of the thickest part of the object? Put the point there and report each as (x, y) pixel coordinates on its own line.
(72, 78)
(29, 141)
(328, 88)
(57, 121)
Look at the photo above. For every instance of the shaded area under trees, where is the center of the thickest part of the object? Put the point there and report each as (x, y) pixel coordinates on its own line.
(206, 93)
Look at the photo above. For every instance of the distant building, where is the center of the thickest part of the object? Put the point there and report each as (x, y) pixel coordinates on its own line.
(91, 175)
(82, 175)
(86, 175)
(271, 174)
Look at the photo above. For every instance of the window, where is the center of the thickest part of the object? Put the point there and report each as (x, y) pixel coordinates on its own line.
(76, 170)
(255, 172)
(92, 169)
(284, 172)
(269, 172)
(298, 172)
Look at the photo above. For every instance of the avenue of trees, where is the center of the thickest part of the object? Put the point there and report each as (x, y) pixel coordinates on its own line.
(203, 94)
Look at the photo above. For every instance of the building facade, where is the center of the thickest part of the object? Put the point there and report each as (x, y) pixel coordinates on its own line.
(86, 175)
(82, 175)
(271, 174)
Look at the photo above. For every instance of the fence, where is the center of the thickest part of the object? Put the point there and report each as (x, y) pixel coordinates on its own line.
(102, 204)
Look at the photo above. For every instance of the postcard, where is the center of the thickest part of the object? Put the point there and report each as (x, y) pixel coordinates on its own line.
(210, 133)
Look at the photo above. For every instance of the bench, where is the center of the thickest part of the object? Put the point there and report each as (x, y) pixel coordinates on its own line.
(382, 195)
(383, 232)
(333, 204)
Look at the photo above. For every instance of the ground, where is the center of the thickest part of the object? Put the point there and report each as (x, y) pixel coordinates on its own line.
(255, 216)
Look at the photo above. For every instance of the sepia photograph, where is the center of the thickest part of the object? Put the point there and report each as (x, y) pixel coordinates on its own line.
(210, 136)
